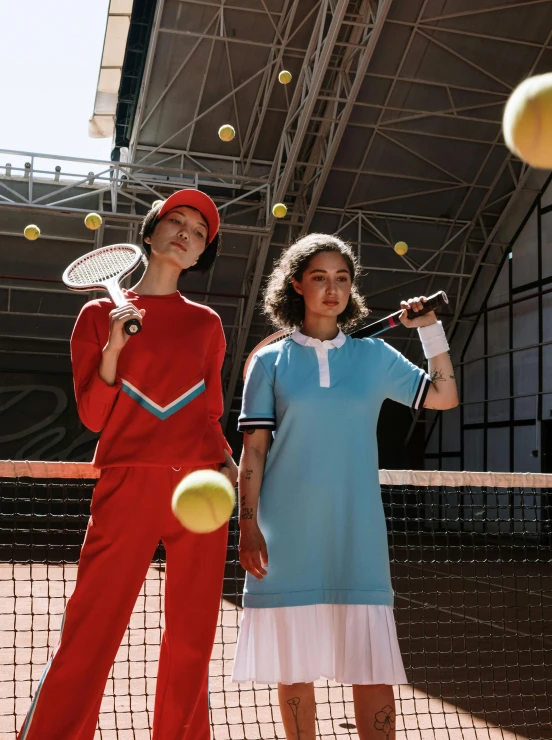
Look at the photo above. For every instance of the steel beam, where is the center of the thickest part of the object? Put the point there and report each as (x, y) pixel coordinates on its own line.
(310, 80)
(334, 140)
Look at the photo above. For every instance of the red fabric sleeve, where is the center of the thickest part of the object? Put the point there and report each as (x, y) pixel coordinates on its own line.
(213, 380)
(95, 398)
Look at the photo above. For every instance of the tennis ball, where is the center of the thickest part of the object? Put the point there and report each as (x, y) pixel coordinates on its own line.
(279, 210)
(401, 248)
(203, 501)
(226, 132)
(284, 77)
(157, 203)
(527, 121)
(31, 232)
(93, 221)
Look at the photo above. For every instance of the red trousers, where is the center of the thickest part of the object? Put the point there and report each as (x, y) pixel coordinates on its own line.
(130, 513)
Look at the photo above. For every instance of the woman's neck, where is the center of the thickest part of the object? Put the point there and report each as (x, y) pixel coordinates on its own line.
(320, 327)
(158, 279)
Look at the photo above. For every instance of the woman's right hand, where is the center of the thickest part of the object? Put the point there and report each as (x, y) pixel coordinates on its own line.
(253, 552)
(117, 320)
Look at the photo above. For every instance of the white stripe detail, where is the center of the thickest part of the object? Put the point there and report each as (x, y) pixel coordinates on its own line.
(162, 409)
(257, 422)
(34, 703)
(421, 389)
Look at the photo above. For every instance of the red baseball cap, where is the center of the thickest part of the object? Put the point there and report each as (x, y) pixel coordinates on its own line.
(200, 201)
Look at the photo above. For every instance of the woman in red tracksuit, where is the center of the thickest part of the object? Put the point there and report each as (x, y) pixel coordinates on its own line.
(156, 398)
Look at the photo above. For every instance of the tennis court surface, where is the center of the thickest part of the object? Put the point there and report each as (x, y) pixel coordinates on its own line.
(471, 564)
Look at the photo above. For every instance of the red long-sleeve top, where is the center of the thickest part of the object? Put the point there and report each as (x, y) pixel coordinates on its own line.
(165, 405)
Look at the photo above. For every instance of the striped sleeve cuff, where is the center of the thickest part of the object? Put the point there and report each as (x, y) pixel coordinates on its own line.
(256, 423)
(421, 392)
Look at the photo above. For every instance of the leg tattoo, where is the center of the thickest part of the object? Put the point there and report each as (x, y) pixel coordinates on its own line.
(385, 720)
(294, 706)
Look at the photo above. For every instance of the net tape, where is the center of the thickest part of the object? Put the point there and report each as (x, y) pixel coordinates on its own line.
(426, 478)
(102, 265)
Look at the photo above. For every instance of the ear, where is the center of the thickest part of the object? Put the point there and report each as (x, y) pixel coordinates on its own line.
(297, 286)
(147, 239)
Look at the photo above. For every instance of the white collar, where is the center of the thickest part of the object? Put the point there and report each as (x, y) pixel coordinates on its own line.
(336, 342)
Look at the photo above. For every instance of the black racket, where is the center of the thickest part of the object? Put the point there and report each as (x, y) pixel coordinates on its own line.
(432, 303)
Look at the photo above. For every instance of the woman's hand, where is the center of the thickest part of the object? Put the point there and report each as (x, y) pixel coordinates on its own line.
(117, 320)
(253, 552)
(416, 304)
(117, 340)
(229, 468)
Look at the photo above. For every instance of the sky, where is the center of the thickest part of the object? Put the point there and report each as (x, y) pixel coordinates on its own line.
(50, 56)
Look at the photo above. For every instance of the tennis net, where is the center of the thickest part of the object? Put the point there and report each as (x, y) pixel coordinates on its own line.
(471, 567)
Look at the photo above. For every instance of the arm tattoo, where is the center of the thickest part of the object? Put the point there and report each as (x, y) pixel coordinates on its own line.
(385, 720)
(245, 513)
(248, 473)
(294, 706)
(435, 377)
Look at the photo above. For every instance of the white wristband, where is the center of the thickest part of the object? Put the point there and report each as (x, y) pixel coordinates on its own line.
(433, 340)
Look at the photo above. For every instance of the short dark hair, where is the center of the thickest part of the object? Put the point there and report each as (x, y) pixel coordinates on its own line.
(207, 257)
(284, 306)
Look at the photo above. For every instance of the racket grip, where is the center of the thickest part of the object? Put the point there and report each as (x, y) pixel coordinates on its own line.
(433, 302)
(133, 326)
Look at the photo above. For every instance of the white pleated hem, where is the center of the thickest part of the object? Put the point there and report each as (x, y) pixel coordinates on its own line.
(347, 643)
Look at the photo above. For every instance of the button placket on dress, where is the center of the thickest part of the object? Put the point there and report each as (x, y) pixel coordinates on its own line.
(321, 348)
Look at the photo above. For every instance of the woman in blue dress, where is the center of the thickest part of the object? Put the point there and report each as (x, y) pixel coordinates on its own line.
(318, 601)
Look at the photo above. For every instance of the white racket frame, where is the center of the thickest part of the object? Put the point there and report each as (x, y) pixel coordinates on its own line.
(112, 285)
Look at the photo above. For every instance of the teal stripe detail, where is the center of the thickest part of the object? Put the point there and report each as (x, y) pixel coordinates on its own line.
(168, 412)
(32, 708)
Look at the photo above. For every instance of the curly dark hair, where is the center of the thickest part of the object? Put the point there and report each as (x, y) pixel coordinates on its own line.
(207, 257)
(284, 306)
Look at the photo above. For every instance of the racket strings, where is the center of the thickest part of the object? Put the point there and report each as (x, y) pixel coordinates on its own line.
(100, 266)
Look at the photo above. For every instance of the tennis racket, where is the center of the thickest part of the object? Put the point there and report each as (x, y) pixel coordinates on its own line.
(431, 303)
(104, 268)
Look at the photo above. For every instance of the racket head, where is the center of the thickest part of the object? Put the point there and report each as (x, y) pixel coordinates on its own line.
(95, 269)
(281, 334)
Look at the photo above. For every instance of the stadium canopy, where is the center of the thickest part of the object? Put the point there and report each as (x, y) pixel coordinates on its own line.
(102, 123)
(389, 130)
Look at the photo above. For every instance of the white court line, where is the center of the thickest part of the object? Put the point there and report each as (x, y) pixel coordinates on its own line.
(478, 580)
(544, 640)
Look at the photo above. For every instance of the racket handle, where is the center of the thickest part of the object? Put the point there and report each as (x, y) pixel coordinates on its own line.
(133, 326)
(433, 301)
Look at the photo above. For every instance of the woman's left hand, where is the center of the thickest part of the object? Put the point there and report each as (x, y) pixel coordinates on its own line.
(416, 304)
(229, 468)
